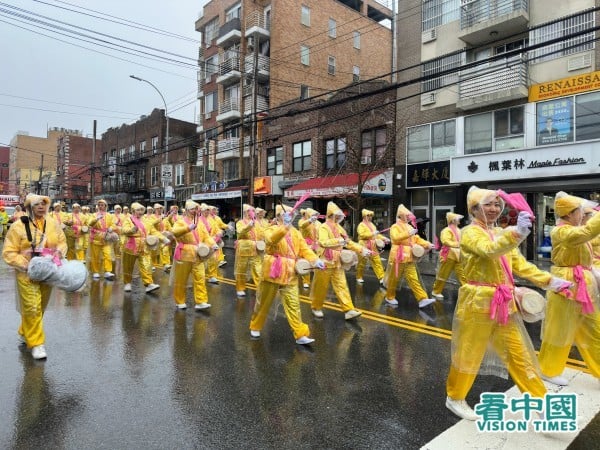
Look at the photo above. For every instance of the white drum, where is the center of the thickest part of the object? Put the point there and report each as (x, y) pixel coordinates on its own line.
(152, 242)
(380, 243)
(70, 276)
(260, 246)
(203, 250)
(112, 237)
(170, 236)
(531, 303)
(85, 229)
(302, 266)
(348, 258)
(418, 250)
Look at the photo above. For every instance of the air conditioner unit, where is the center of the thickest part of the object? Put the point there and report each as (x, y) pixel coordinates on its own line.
(365, 160)
(579, 62)
(429, 35)
(428, 98)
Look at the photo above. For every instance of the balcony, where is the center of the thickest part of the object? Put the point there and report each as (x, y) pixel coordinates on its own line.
(230, 33)
(200, 55)
(201, 82)
(263, 70)
(229, 111)
(483, 21)
(229, 71)
(230, 148)
(262, 104)
(493, 83)
(257, 25)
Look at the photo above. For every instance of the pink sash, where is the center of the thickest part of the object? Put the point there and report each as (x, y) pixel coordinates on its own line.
(131, 241)
(179, 246)
(276, 267)
(445, 249)
(582, 295)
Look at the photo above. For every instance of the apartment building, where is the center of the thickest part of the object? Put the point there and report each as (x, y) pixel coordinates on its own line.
(504, 94)
(75, 169)
(257, 56)
(137, 164)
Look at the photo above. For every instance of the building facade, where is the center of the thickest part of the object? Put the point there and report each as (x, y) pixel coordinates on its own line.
(257, 56)
(4, 173)
(137, 165)
(505, 95)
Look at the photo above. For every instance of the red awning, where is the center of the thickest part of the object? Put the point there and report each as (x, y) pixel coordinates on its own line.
(332, 186)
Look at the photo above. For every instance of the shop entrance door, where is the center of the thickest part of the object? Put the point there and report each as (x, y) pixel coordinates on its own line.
(439, 218)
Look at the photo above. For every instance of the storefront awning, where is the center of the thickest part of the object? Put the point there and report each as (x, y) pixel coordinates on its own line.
(230, 192)
(378, 184)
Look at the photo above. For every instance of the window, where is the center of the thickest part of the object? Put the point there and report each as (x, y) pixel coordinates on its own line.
(587, 116)
(210, 104)
(356, 39)
(142, 177)
(332, 28)
(305, 55)
(305, 16)
(113, 153)
(564, 47)
(335, 153)
(154, 145)
(104, 157)
(121, 154)
(493, 131)
(142, 148)
(437, 65)
(275, 161)
(331, 65)
(302, 159)
(439, 12)
(233, 13)
(230, 169)
(131, 152)
(153, 175)
(304, 91)
(211, 67)
(355, 74)
(211, 31)
(431, 141)
(180, 174)
(374, 144)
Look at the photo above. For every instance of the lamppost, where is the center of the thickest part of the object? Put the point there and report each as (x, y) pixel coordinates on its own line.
(167, 141)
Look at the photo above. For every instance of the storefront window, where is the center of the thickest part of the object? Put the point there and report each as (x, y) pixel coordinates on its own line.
(432, 141)
(587, 116)
(478, 134)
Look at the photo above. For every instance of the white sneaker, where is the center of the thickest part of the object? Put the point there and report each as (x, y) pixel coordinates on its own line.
(109, 275)
(352, 314)
(127, 287)
(437, 296)
(213, 280)
(222, 263)
(461, 409)
(201, 306)
(360, 280)
(304, 340)
(180, 305)
(152, 287)
(426, 302)
(241, 293)
(96, 276)
(558, 380)
(306, 285)
(381, 282)
(255, 333)
(167, 267)
(318, 313)
(391, 301)
(38, 352)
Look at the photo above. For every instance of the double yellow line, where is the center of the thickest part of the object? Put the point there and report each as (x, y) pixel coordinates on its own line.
(408, 325)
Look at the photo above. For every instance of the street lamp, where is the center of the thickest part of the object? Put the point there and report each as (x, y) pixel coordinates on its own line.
(167, 141)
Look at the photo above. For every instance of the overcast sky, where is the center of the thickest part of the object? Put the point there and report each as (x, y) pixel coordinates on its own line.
(51, 80)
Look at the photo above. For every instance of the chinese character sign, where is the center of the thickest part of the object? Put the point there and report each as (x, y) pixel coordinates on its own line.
(555, 121)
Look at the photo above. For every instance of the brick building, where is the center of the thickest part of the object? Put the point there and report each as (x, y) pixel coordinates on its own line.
(134, 158)
(4, 173)
(258, 55)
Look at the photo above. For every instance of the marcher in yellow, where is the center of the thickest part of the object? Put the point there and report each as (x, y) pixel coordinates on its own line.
(212, 263)
(588, 213)
(33, 235)
(85, 212)
(136, 228)
(401, 261)
(367, 235)
(247, 256)
(222, 227)
(58, 215)
(101, 254)
(74, 232)
(309, 227)
(119, 221)
(186, 260)
(575, 318)
(284, 246)
(449, 255)
(4, 219)
(486, 315)
(163, 254)
(332, 240)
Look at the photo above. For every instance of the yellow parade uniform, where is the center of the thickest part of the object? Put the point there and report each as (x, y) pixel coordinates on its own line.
(449, 258)
(75, 236)
(246, 255)
(367, 232)
(135, 249)
(101, 251)
(310, 232)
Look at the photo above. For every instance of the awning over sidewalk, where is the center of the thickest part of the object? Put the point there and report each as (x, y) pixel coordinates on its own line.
(378, 184)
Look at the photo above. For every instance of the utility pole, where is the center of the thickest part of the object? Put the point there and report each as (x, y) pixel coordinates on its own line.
(93, 168)
(254, 121)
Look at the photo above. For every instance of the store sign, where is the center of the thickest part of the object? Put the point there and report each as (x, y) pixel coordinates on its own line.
(262, 185)
(217, 195)
(576, 159)
(428, 174)
(156, 195)
(565, 86)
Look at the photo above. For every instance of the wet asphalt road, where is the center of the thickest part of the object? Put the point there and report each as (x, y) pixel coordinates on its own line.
(129, 371)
